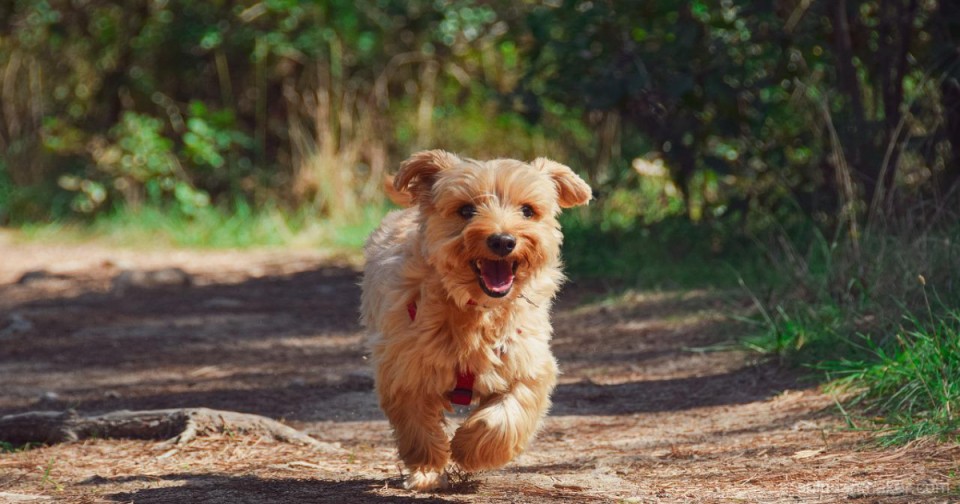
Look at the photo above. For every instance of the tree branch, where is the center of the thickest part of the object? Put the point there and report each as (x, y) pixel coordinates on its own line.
(176, 426)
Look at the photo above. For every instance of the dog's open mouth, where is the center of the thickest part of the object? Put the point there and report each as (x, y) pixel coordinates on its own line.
(495, 276)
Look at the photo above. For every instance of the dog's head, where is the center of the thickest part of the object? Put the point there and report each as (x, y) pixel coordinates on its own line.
(488, 226)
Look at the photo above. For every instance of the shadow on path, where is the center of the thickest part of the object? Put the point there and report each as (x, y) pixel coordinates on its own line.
(289, 346)
(741, 386)
(220, 488)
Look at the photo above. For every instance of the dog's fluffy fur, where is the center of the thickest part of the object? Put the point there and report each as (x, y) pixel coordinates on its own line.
(479, 307)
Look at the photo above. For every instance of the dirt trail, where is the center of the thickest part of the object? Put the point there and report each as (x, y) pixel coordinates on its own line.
(642, 413)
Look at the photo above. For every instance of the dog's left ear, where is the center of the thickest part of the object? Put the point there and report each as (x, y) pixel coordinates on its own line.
(571, 189)
(418, 173)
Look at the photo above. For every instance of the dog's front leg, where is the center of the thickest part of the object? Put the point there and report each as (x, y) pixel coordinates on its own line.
(418, 428)
(502, 425)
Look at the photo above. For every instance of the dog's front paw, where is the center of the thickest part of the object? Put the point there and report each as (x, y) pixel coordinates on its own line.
(423, 480)
(477, 445)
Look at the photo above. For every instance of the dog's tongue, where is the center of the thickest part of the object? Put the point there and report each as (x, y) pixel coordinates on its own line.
(497, 275)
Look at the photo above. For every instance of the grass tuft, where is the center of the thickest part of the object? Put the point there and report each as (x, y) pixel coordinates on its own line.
(912, 383)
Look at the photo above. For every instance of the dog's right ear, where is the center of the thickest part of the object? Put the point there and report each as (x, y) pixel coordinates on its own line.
(417, 174)
(571, 189)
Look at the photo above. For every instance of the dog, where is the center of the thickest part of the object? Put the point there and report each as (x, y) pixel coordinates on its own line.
(456, 300)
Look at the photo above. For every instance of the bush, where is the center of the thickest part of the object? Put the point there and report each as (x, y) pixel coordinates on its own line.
(136, 164)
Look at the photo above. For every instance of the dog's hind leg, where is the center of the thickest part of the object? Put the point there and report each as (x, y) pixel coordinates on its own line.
(503, 424)
(422, 443)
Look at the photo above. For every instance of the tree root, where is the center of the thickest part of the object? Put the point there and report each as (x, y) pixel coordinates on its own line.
(176, 426)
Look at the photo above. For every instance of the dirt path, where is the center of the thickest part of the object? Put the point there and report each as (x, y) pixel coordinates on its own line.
(642, 413)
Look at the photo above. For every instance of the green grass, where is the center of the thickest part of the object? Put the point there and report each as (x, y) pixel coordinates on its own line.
(804, 334)
(241, 227)
(851, 317)
(912, 383)
(6, 447)
(670, 254)
(47, 479)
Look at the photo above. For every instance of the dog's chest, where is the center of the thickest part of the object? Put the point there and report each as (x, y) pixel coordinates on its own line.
(498, 334)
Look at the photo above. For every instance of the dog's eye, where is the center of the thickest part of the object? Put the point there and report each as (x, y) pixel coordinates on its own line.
(467, 211)
(527, 211)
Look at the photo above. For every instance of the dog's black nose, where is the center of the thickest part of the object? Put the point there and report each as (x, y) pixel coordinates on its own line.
(501, 243)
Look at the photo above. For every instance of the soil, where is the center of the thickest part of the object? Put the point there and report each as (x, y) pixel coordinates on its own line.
(653, 406)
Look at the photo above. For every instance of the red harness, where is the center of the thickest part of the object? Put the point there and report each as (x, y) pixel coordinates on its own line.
(462, 393)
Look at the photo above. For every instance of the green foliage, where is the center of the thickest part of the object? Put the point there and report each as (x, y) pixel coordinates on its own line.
(912, 381)
(6, 447)
(211, 136)
(757, 104)
(802, 334)
(237, 227)
(136, 163)
(832, 289)
(656, 61)
(224, 100)
(673, 253)
(749, 104)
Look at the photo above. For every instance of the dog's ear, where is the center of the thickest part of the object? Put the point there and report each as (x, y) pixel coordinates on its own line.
(418, 173)
(571, 189)
(403, 199)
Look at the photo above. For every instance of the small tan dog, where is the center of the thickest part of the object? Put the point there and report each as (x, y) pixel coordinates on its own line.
(457, 292)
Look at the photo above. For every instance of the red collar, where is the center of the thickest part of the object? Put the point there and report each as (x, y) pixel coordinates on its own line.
(462, 393)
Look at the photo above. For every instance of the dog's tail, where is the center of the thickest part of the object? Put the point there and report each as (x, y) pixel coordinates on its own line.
(400, 198)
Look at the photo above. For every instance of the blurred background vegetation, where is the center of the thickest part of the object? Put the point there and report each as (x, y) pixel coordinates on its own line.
(804, 149)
